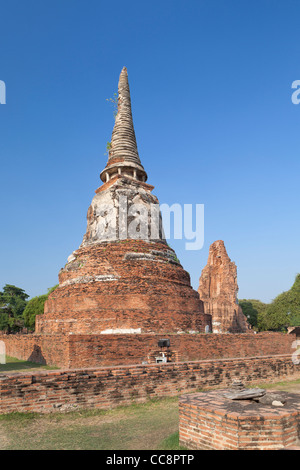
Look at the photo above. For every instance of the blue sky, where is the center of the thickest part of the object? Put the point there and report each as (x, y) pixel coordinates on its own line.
(211, 95)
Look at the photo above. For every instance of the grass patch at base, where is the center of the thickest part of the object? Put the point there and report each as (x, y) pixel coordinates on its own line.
(14, 365)
(144, 426)
(286, 385)
(171, 443)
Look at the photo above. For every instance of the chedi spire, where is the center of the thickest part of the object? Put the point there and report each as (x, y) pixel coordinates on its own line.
(124, 279)
(123, 154)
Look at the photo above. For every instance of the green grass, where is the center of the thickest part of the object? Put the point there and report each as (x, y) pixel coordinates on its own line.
(14, 365)
(171, 443)
(150, 426)
(287, 385)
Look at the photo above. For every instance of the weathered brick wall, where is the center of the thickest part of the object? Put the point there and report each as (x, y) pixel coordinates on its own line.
(74, 351)
(218, 289)
(95, 350)
(210, 421)
(108, 387)
(127, 284)
(42, 349)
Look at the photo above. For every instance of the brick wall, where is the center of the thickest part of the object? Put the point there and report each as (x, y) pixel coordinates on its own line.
(74, 351)
(108, 387)
(103, 350)
(210, 421)
(42, 349)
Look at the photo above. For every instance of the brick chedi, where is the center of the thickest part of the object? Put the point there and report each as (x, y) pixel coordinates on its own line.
(124, 278)
(218, 289)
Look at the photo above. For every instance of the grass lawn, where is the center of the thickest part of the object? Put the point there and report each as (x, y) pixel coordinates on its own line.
(16, 365)
(149, 426)
(292, 386)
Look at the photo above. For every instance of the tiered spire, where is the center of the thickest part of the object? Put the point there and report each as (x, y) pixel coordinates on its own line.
(123, 154)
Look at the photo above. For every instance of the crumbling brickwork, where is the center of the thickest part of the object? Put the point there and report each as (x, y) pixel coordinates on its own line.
(218, 290)
(104, 388)
(82, 350)
(210, 421)
(124, 278)
(126, 286)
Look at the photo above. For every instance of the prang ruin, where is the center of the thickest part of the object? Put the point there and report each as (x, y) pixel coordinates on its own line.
(218, 290)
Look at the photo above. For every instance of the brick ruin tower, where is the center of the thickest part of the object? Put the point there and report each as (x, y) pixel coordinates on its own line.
(124, 278)
(218, 289)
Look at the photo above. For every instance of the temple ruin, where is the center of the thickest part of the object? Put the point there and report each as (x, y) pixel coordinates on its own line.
(125, 325)
(218, 290)
(118, 282)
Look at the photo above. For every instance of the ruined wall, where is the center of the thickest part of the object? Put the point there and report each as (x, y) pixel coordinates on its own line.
(91, 350)
(104, 388)
(52, 350)
(74, 351)
(209, 421)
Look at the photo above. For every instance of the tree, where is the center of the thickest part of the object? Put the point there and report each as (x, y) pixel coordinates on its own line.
(34, 307)
(13, 301)
(249, 311)
(4, 320)
(253, 309)
(284, 311)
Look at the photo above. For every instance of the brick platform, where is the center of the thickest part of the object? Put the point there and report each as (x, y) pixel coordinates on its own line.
(122, 287)
(211, 421)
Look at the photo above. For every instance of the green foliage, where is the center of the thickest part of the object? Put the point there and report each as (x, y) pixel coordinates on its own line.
(4, 321)
(108, 146)
(295, 320)
(249, 311)
(13, 301)
(114, 102)
(10, 291)
(174, 258)
(254, 310)
(35, 307)
(283, 311)
(51, 289)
